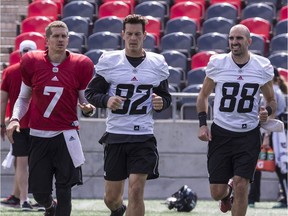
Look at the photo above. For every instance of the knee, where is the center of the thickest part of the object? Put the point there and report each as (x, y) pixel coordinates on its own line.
(136, 193)
(44, 199)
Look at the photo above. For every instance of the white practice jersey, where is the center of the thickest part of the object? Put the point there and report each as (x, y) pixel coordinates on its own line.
(134, 84)
(237, 91)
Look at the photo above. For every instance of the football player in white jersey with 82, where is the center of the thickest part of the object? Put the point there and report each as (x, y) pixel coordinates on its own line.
(131, 83)
(234, 141)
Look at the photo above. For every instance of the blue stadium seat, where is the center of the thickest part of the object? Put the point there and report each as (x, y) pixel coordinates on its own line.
(104, 40)
(279, 59)
(94, 54)
(77, 24)
(79, 8)
(217, 24)
(178, 41)
(213, 41)
(281, 27)
(261, 10)
(150, 43)
(224, 9)
(109, 23)
(258, 45)
(279, 43)
(181, 24)
(77, 42)
(176, 59)
(176, 77)
(196, 76)
(151, 8)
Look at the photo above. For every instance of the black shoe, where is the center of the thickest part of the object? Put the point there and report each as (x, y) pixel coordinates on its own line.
(280, 205)
(51, 211)
(11, 201)
(26, 206)
(119, 212)
(38, 207)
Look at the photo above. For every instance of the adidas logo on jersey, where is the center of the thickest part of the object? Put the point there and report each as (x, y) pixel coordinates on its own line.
(134, 79)
(71, 138)
(55, 78)
(240, 78)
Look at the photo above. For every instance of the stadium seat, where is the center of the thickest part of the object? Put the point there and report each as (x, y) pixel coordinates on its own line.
(261, 10)
(59, 4)
(114, 8)
(283, 13)
(37, 37)
(201, 59)
(151, 8)
(181, 24)
(178, 41)
(104, 40)
(236, 3)
(193, 88)
(165, 114)
(201, 3)
(109, 23)
(94, 54)
(189, 9)
(35, 24)
(154, 26)
(281, 27)
(273, 3)
(77, 24)
(83, 9)
(196, 76)
(77, 42)
(258, 45)
(225, 10)
(188, 111)
(213, 41)
(175, 59)
(43, 8)
(14, 57)
(279, 59)
(176, 77)
(279, 43)
(259, 26)
(150, 43)
(284, 73)
(132, 3)
(217, 24)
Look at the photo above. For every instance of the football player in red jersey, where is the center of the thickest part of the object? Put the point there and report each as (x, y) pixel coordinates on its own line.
(131, 83)
(53, 83)
(10, 88)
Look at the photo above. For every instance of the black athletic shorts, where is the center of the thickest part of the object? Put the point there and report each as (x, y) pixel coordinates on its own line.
(232, 153)
(50, 157)
(123, 159)
(21, 145)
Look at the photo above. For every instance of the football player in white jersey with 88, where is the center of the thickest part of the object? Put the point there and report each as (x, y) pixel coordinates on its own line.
(131, 83)
(234, 141)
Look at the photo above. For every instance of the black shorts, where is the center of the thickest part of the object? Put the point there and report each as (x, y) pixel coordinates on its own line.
(121, 160)
(21, 145)
(49, 157)
(231, 154)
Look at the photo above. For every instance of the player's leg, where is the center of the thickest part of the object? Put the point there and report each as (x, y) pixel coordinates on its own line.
(113, 196)
(240, 201)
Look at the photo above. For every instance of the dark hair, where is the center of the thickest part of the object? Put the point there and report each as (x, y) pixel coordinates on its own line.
(135, 19)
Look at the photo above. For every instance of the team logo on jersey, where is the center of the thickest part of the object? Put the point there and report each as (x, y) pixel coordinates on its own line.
(55, 69)
(55, 78)
(240, 78)
(134, 79)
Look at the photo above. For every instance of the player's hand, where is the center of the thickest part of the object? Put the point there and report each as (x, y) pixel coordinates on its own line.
(86, 108)
(115, 102)
(263, 114)
(12, 126)
(157, 102)
(204, 133)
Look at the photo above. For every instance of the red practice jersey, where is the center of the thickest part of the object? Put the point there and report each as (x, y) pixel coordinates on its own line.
(55, 89)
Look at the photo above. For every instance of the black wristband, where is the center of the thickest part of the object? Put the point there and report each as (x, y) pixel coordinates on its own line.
(202, 116)
(269, 110)
(3, 126)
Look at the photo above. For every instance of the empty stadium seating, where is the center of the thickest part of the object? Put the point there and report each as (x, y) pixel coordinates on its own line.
(43, 8)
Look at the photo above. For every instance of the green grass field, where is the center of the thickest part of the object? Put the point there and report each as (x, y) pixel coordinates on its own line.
(153, 208)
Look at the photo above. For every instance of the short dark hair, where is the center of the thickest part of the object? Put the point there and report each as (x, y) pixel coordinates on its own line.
(135, 19)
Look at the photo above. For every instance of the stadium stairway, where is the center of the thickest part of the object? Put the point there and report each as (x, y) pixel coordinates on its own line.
(11, 12)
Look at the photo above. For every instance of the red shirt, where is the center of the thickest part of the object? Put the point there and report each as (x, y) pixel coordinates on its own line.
(55, 89)
(11, 83)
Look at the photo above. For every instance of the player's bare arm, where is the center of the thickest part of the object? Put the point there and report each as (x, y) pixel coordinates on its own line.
(202, 109)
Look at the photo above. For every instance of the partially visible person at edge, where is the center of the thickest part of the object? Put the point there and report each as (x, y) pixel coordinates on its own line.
(131, 83)
(277, 141)
(52, 83)
(234, 141)
(10, 88)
